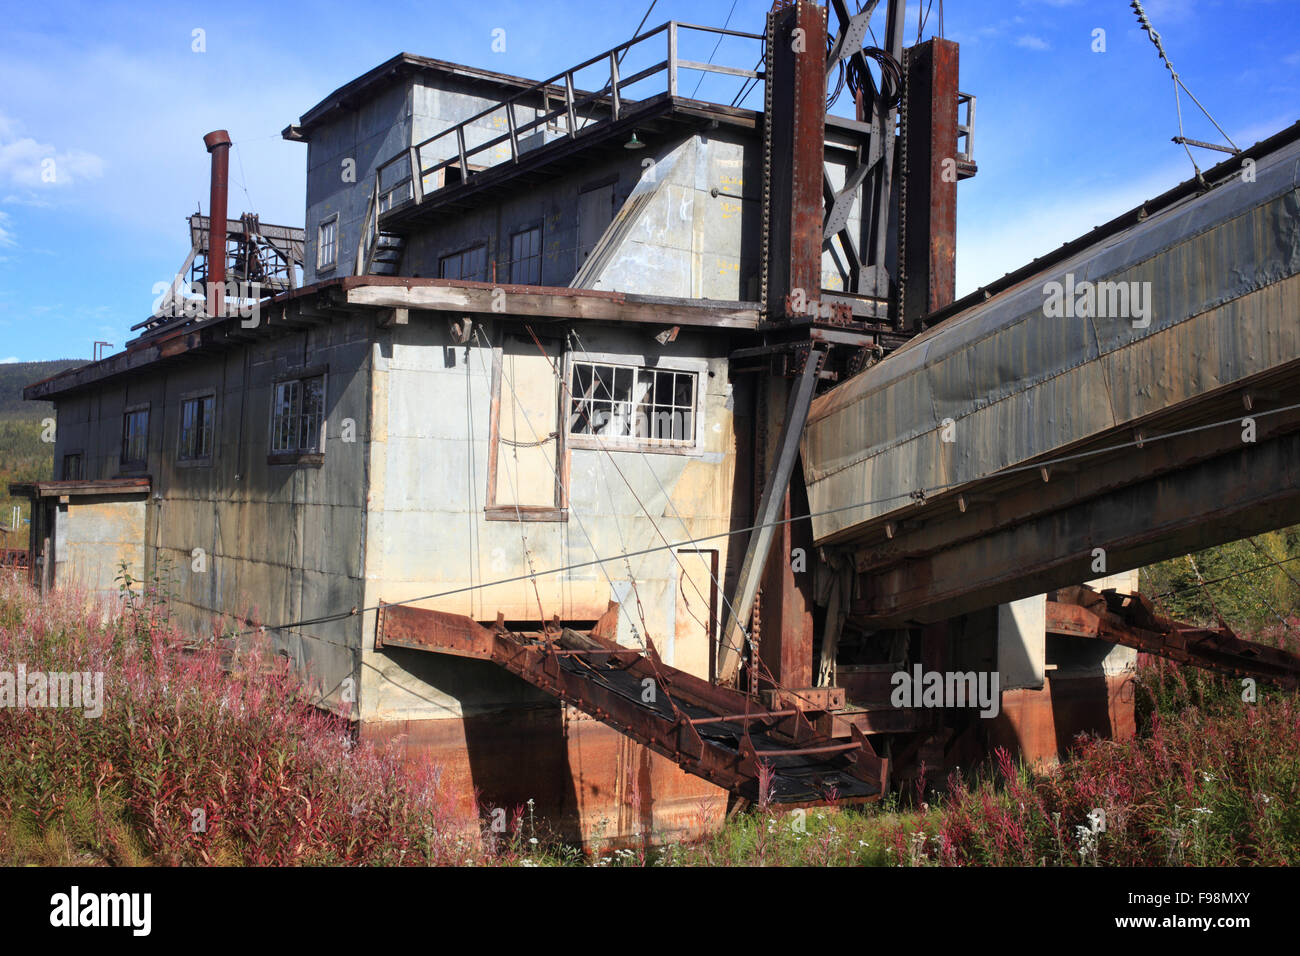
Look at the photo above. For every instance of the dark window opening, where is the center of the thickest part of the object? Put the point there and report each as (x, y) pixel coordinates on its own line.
(526, 257)
(298, 416)
(135, 438)
(468, 264)
(196, 428)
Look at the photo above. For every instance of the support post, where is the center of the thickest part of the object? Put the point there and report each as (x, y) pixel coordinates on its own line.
(770, 510)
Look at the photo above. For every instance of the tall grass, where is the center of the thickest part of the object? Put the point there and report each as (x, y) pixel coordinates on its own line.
(191, 763)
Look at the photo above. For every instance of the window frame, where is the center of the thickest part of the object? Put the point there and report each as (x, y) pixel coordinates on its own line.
(697, 367)
(80, 455)
(536, 226)
(460, 254)
(134, 464)
(197, 461)
(298, 456)
(321, 264)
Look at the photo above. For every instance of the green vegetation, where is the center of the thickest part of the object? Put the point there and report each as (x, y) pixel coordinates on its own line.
(1255, 600)
(1211, 779)
(23, 455)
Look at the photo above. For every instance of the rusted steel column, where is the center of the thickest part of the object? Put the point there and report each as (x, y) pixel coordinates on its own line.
(769, 522)
(218, 144)
(796, 146)
(930, 239)
(787, 597)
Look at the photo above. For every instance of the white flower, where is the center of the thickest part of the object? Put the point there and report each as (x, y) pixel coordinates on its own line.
(532, 840)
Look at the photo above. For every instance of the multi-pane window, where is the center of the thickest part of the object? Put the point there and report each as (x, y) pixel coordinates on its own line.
(196, 428)
(626, 403)
(298, 416)
(73, 469)
(470, 264)
(526, 257)
(135, 437)
(327, 243)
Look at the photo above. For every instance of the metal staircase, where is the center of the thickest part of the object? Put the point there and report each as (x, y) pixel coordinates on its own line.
(379, 253)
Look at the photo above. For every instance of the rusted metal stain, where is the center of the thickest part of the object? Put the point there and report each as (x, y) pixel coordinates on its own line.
(713, 732)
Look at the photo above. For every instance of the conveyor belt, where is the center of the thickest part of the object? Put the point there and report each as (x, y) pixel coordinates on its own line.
(712, 732)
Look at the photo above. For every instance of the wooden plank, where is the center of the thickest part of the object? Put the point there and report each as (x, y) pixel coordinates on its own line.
(558, 305)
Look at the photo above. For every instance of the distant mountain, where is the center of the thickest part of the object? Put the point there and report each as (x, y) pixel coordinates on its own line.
(14, 376)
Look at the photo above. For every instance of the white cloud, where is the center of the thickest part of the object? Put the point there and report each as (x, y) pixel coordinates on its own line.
(28, 198)
(10, 360)
(26, 162)
(1030, 42)
(6, 234)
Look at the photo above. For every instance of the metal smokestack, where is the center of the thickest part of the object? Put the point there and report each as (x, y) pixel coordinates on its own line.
(218, 144)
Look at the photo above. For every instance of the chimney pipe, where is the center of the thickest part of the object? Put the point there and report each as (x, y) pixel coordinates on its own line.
(218, 144)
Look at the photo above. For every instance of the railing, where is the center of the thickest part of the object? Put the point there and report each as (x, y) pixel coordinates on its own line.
(369, 237)
(405, 178)
(966, 130)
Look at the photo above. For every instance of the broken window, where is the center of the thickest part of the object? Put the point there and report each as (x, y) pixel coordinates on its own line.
(135, 437)
(298, 416)
(73, 469)
(327, 243)
(469, 264)
(526, 256)
(197, 416)
(626, 403)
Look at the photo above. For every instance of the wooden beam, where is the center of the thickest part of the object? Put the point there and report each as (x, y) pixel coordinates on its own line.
(529, 301)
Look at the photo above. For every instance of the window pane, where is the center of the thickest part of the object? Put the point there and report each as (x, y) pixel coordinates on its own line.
(475, 264)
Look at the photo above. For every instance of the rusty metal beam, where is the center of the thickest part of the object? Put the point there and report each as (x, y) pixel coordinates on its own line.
(794, 147)
(770, 511)
(1206, 504)
(929, 237)
(710, 731)
(1130, 620)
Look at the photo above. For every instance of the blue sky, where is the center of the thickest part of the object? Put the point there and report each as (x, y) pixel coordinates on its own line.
(115, 94)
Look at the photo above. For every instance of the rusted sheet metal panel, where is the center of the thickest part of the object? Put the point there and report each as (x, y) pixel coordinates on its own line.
(679, 716)
(930, 239)
(795, 148)
(1016, 381)
(586, 780)
(1041, 725)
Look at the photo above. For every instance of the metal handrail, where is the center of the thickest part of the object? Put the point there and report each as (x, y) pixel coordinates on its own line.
(573, 100)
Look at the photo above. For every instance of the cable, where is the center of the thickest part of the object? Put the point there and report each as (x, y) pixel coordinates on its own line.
(921, 495)
(1145, 24)
(1227, 577)
(715, 48)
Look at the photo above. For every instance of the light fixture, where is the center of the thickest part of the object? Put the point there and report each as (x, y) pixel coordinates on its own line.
(634, 143)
